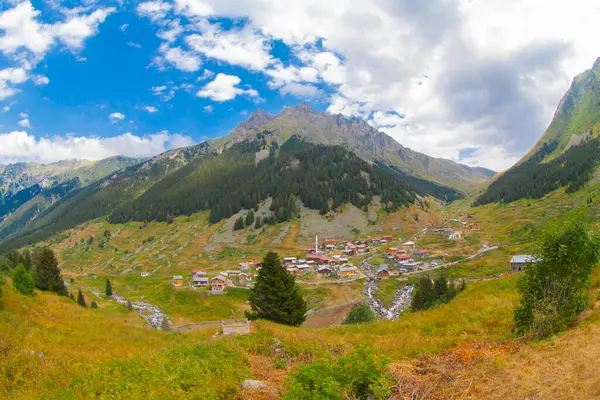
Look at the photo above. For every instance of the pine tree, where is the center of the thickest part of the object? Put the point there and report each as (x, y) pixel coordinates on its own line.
(250, 218)
(423, 294)
(108, 290)
(239, 224)
(47, 273)
(81, 299)
(129, 305)
(275, 296)
(23, 281)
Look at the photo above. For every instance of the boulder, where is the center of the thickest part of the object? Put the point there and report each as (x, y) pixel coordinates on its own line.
(251, 384)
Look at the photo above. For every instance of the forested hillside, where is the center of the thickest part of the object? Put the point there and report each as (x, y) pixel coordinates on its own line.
(322, 177)
(534, 179)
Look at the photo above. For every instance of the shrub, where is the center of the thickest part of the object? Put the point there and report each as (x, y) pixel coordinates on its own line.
(23, 281)
(360, 313)
(280, 364)
(94, 305)
(361, 374)
(81, 299)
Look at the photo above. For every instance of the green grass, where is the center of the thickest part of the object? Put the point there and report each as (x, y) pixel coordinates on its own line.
(387, 288)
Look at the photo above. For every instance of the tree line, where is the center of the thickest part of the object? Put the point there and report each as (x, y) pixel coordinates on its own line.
(322, 177)
(535, 178)
(430, 293)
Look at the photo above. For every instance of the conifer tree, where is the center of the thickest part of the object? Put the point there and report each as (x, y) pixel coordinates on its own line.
(423, 294)
(275, 296)
(23, 281)
(47, 273)
(129, 305)
(108, 290)
(250, 218)
(239, 224)
(81, 299)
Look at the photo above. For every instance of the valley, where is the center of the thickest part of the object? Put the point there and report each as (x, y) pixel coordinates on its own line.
(327, 221)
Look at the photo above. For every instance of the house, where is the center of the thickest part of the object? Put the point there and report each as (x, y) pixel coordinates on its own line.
(198, 272)
(421, 253)
(177, 280)
(383, 271)
(324, 271)
(336, 260)
(292, 269)
(319, 259)
(391, 250)
(218, 284)
(233, 272)
(303, 269)
(411, 265)
(408, 247)
(456, 235)
(235, 326)
(349, 252)
(244, 266)
(402, 257)
(199, 281)
(243, 279)
(519, 262)
(474, 227)
(361, 248)
(145, 274)
(330, 247)
(347, 270)
(387, 238)
(290, 260)
(311, 250)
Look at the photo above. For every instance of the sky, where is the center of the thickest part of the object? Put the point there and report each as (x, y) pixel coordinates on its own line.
(473, 81)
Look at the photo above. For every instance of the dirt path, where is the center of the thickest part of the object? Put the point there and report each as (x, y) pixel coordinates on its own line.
(327, 317)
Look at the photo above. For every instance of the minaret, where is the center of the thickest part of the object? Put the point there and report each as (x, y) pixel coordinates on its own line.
(316, 244)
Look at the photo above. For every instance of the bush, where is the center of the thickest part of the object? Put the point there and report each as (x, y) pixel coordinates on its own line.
(94, 305)
(280, 364)
(553, 290)
(23, 281)
(361, 374)
(360, 313)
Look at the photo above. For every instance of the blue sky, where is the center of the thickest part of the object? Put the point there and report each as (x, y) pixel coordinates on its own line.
(93, 79)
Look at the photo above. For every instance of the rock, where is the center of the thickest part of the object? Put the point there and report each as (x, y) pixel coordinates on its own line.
(251, 384)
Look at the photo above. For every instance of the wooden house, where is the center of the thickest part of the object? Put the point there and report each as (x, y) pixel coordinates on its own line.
(292, 269)
(387, 238)
(200, 281)
(324, 271)
(303, 269)
(177, 281)
(421, 253)
(347, 270)
(383, 271)
(198, 272)
(290, 260)
(218, 284)
(243, 278)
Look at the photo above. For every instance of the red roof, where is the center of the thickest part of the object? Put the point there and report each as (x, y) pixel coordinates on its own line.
(316, 257)
(402, 256)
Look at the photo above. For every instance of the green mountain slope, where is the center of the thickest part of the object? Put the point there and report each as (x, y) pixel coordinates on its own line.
(568, 153)
(359, 137)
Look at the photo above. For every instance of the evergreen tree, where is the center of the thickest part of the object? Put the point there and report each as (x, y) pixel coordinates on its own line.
(239, 224)
(108, 290)
(72, 297)
(275, 296)
(250, 218)
(81, 299)
(440, 288)
(47, 274)
(94, 305)
(423, 294)
(129, 305)
(258, 223)
(23, 281)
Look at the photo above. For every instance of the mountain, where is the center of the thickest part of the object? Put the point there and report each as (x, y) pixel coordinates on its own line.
(567, 155)
(30, 188)
(266, 158)
(359, 137)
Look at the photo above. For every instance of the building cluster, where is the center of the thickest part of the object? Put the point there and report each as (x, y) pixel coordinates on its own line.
(222, 280)
(402, 259)
(322, 265)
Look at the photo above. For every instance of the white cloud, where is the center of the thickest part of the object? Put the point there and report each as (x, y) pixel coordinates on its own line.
(116, 116)
(209, 109)
(206, 74)
(134, 44)
(224, 88)
(245, 47)
(20, 146)
(22, 30)
(24, 123)
(155, 10)
(6, 108)
(40, 80)
(150, 109)
(80, 59)
(183, 60)
(76, 29)
(23, 115)
(123, 27)
(10, 77)
(300, 90)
